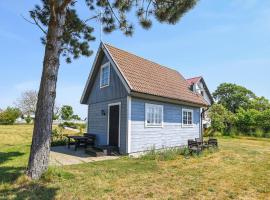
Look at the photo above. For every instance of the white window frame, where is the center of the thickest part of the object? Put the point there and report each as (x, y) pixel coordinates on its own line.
(109, 74)
(192, 118)
(147, 105)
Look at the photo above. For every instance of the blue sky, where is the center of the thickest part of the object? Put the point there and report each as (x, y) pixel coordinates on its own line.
(224, 41)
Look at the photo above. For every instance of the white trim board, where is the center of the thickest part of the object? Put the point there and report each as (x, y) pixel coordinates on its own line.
(128, 124)
(108, 122)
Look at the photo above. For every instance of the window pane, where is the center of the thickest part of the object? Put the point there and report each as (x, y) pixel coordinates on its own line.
(148, 115)
(187, 117)
(105, 76)
(184, 117)
(159, 115)
(153, 115)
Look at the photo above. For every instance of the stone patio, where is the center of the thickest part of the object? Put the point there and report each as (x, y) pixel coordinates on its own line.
(61, 155)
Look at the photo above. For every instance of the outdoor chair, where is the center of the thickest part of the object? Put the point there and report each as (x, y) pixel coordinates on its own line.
(212, 142)
(194, 146)
(91, 139)
(202, 143)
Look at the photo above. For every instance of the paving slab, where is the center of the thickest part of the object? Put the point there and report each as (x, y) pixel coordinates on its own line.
(61, 155)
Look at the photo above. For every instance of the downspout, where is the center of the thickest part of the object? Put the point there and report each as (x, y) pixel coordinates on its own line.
(201, 121)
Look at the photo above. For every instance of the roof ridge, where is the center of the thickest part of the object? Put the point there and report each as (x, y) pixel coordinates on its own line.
(194, 77)
(142, 58)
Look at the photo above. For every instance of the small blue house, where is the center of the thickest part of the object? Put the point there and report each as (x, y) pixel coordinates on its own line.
(136, 104)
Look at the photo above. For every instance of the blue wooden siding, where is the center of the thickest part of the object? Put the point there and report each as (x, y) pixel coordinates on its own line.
(99, 99)
(98, 123)
(115, 90)
(171, 134)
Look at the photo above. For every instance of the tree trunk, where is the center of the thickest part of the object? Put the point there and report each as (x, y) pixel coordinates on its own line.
(40, 148)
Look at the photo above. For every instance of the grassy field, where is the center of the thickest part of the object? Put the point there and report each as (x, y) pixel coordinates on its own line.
(240, 169)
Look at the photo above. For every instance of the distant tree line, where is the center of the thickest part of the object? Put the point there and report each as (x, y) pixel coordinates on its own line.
(25, 107)
(238, 111)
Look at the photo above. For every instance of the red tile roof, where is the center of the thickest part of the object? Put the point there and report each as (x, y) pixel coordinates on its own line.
(193, 80)
(147, 77)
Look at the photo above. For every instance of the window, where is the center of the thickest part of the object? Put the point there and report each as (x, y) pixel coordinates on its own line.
(153, 115)
(202, 93)
(187, 118)
(105, 75)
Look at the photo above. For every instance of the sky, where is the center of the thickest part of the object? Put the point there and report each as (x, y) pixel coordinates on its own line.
(223, 41)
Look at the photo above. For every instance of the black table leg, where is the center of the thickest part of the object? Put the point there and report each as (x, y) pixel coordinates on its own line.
(69, 143)
(77, 144)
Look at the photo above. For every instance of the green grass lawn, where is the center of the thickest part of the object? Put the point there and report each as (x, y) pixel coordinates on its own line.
(240, 169)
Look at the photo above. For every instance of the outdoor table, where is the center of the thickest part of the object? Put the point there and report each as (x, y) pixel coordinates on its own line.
(78, 140)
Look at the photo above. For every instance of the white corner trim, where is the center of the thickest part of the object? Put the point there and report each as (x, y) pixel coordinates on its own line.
(128, 124)
(107, 64)
(187, 125)
(108, 126)
(145, 116)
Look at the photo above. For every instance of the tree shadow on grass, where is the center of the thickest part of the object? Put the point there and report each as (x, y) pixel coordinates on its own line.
(5, 156)
(27, 190)
(32, 190)
(9, 174)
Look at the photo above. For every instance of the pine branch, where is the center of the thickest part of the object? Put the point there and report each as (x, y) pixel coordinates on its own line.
(94, 17)
(112, 11)
(35, 23)
(146, 13)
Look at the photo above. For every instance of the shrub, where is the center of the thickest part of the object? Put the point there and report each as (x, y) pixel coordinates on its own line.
(163, 154)
(258, 133)
(9, 116)
(221, 118)
(266, 135)
(58, 138)
(232, 131)
(28, 119)
(264, 120)
(184, 151)
(247, 120)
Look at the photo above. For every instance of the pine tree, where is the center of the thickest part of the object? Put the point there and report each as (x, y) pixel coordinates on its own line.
(67, 35)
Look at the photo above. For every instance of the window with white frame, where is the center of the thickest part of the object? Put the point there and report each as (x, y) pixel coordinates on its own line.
(153, 115)
(187, 117)
(105, 75)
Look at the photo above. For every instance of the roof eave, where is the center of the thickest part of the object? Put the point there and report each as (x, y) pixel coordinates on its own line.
(167, 99)
(83, 99)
